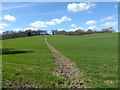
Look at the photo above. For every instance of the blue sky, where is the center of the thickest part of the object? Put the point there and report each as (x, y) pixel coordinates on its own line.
(58, 15)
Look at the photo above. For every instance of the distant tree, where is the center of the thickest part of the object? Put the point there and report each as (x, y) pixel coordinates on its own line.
(89, 30)
(54, 31)
(12, 34)
(111, 29)
(108, 30)
(29, 33)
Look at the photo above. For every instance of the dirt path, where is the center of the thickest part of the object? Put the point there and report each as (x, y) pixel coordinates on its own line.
(67, 68)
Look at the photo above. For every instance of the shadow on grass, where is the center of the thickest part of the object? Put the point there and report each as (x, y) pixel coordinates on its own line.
(5, 51)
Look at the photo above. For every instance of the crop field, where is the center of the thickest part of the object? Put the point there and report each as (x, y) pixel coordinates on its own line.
(28, 60)
(96, 55)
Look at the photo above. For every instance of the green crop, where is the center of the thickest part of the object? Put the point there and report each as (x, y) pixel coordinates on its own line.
(96, 55)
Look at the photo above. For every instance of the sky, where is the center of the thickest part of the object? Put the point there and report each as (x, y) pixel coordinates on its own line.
(67, 16)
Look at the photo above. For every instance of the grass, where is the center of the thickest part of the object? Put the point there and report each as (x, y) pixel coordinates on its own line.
(28, 60)
(96, 55)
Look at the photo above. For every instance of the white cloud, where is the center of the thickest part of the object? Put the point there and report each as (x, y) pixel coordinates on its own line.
(9, 17)
(3, 25)
(41, 24)
(30, 28)
(60, 29)
(92, 27)
(24, 29)
(57, 21)
(73, 25)
(74, 29)
(54, 22)
(75, 7)
(1, 32)
(0, 18)
(107, 18)
(110, 24)
(50, 23)
(17, 29)
(65, 18)
(38, 24)
(91, 22)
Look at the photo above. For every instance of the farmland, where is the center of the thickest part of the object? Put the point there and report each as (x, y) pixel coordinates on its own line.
(95, 55)
(28, 60)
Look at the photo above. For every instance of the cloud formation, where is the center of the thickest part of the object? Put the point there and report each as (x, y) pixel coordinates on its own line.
(1, 32)
(73, 25)
(17, 29)
(91, 22)
(42, 24)
(74, 29)
(107, 18)
(92, 27)
(24, 29)
(38, 24)
(76, 7)
(3, 25)
(110, 24)
(9, 17)
(0, 18)
(30, 28)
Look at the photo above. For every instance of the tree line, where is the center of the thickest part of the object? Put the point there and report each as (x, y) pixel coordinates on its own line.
(82, 32)
(12, 34)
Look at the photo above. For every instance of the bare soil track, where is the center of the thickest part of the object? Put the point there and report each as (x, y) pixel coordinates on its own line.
(67, 68)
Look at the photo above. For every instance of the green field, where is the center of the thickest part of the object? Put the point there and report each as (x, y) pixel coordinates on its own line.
(28, 60)
(95, 54)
